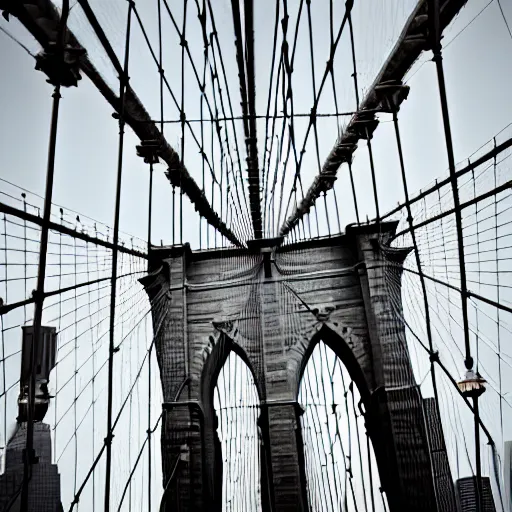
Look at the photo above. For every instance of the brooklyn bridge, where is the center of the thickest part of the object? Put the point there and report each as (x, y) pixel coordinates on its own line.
(292, 323)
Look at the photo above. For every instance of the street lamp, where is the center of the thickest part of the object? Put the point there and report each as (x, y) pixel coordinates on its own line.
(473, 386)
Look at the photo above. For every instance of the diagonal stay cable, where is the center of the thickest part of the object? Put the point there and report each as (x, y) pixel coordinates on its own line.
(217, 120)
(173, 96)
(76, 498)
(246, 75)
(38, 21)
(264, 177)
(232, 118)
(286, 67)
(411, 43)
(312, 119)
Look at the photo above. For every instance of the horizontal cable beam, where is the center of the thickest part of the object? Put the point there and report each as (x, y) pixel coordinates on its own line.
(5, 308)
(11, 210)
(451, 211)
(248, 117)
(412, 41)
(246, 75)
(469, 293)
(40, 18)
(438, 185)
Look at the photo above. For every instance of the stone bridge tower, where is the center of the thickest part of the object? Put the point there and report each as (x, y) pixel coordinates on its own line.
(271, 304)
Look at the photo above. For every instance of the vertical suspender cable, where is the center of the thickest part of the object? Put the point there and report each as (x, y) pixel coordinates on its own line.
(352, 45)
(356, 89)
(370, 470)
(358, 439)
(327, 215)
(6, 298)
(497, 289)
(353, 191)
(123, 83)
(433, 13)
(337, 209)
(160, 67)
(97, 312)
(201, 101)
(182, 108)
(75, 358)
(149, 429)
(438, 59)
(478, 462)
(418, 259)
(161, 72)
(58, 330)
(212, 147)
(374, 180)
(43, 248)
(173, 213)
(150, 205)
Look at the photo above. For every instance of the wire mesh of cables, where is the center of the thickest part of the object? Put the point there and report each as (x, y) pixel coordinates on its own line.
(78, 305)
(484, 186)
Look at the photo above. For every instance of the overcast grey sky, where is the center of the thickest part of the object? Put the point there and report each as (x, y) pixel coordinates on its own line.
(478, 72)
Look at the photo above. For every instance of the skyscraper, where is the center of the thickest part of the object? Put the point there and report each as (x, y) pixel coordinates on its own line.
(467, 494)
(442, 475)
(44, 484)
(507, 476)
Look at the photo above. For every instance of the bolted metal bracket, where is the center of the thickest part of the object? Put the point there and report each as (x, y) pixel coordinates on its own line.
(363, 125)
(61, 68)
(391, 95)
(265, 247)
(149, 150)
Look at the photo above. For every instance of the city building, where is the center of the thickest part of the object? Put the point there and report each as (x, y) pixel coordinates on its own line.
(467, 494)
(44, 486)
(507, 476)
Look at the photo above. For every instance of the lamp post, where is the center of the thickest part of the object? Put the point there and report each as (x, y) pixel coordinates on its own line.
(473, 386)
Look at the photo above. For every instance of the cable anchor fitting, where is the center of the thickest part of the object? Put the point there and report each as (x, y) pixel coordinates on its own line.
(434, 357)
(62, 67)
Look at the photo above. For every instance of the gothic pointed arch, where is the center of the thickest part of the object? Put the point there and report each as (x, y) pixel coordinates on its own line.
(230, 399)
(340, 463)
